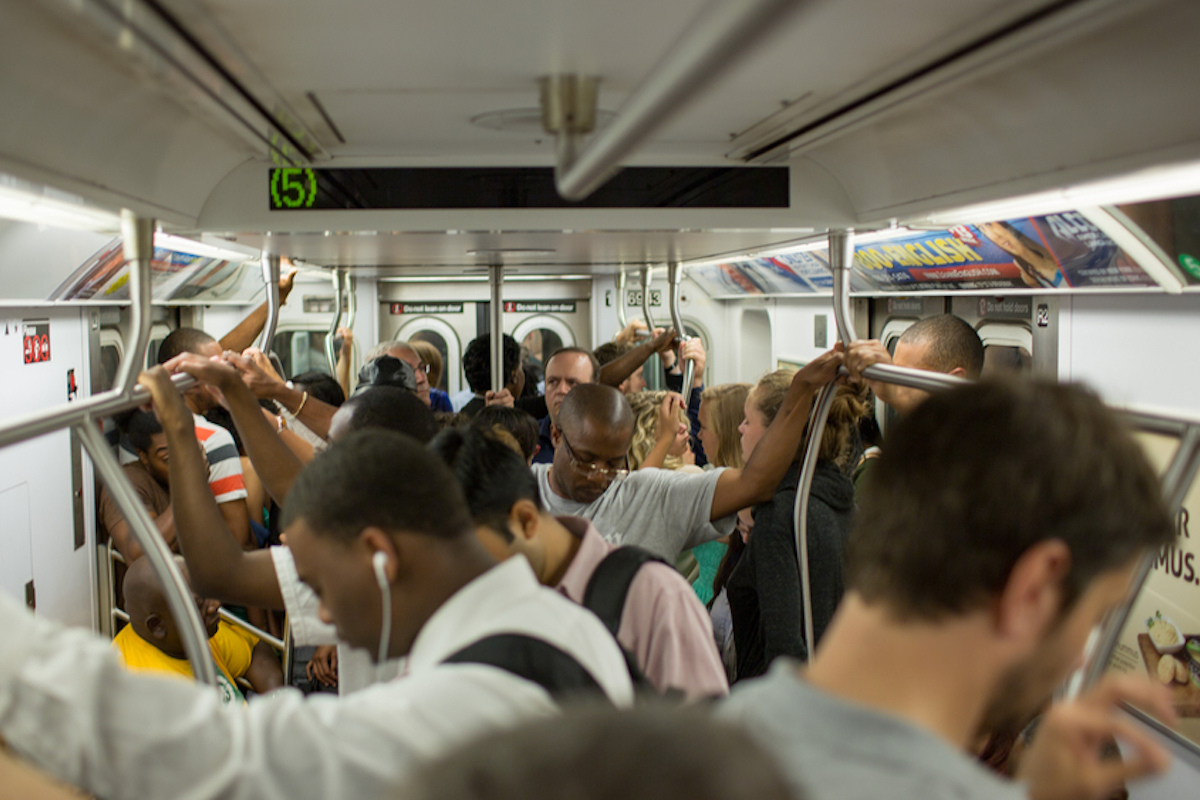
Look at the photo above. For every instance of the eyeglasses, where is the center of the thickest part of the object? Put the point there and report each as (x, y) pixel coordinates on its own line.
(591, 470)
(424, 366)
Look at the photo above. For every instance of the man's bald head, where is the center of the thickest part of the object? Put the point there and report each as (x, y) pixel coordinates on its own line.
(150, 613)
(143, 595)
(597, 407)
(947, 343)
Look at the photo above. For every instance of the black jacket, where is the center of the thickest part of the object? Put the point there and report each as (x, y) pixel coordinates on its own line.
(764, 588)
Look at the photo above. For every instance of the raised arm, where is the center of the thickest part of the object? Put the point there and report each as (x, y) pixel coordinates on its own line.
(666, 431)
(756, 482)
(246, 333)
(218, 566)
(345, 356)
(276, 464)
(612, 373)
(315, 415)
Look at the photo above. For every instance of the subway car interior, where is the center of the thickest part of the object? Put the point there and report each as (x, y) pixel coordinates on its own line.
(768, 177)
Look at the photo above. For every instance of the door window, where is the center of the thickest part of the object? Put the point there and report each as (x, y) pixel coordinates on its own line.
(301, 351)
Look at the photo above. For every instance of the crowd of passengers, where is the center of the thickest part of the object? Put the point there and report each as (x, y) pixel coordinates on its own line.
(493, 582)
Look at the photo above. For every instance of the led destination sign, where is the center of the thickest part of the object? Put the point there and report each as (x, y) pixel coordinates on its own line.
(304, 188)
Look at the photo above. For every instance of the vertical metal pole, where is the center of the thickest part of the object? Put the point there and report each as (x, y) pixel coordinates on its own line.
(138, 234)
(496, 282)
(339, 300)
(270, 272)
(621, 318)
(841, 257)
(674, 278)
(179, 595)
(841, 249)
(647, 277)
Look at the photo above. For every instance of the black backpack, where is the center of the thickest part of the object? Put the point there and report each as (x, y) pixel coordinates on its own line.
(605, 597)
(550, 667)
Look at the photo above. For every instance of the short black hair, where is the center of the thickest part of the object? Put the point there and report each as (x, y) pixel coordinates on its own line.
(952, 343)
(393, 409)
(977, 475)
(492, 475)
(321, 386)
(140, 428)
(520, 424)
(654, 752)
(382, 479)
(477, 361)
(588, 353)
(182, 340)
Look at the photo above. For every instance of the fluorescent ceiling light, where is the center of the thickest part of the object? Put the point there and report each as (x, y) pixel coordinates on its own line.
(179, 244)
(25, 202)
(481, 278)
(1158, 183)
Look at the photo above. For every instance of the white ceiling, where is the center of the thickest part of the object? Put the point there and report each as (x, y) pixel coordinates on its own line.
(1103, 86)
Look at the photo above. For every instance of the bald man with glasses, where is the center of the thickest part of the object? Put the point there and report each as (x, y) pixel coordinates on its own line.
(658, 510)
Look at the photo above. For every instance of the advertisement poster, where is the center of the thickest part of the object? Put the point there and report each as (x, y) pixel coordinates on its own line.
(173, 275)
(1161, 639)
(1055, 251)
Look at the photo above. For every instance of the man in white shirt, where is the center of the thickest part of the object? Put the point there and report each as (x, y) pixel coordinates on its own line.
(661, 511)
(379, 529)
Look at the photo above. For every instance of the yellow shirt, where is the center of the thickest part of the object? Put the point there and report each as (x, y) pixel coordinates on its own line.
(231, 649)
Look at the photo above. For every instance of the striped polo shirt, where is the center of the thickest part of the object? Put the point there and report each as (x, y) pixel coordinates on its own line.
(224, 465)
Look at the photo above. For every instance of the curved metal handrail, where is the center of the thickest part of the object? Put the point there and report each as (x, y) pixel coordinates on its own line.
(841, 256)
(270, 272)
(175, 588)
(339, 300)
(674, 277)
(812, 449)
(621, 318)
(647, 279)
(84, 417)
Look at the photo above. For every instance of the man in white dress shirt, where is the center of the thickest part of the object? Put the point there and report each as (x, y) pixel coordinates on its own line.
(379, 529)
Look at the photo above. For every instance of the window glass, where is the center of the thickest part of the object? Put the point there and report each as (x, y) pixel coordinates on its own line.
(110, 360)
(1001, 359)
(301, 351)
(537, 346)
(1174, 225)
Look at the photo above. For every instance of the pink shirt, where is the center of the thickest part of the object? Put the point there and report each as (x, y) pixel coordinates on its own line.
(664, 625)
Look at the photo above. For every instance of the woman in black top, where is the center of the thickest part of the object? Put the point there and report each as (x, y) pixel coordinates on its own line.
(764, 589)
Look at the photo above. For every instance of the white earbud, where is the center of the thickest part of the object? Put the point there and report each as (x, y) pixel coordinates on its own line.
(379, 563)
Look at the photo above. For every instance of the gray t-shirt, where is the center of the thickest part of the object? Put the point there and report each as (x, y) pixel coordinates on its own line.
(662, 511)
(832, 749)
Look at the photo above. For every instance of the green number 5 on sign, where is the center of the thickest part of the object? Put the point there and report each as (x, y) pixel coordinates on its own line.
(293, 187)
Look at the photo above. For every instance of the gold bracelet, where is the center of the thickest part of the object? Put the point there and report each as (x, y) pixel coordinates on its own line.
(300, 407)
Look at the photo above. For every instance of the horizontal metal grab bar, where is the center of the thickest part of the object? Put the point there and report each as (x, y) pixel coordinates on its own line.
(104, 405)
(233, 619)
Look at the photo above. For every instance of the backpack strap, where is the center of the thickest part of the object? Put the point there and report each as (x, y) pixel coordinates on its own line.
(534, 660)
(609, 585)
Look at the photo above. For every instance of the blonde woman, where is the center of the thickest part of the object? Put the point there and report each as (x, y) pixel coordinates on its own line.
(764, 588)
(438, 399)
(660, 432)
(720, 415)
